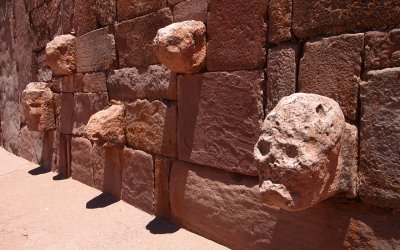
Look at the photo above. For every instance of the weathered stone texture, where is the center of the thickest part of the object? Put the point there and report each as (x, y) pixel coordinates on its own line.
(138, 179)
(332, 67)
(106, 11)
(81, 155)
(181, 47)
(128, 84)
(95, 51)
(191, 10)
(236, 35)
(84, 17)
(61, 55)
(66, 113)
(379, 138)
(30, 145)
(280, 20)
(281, 73)
(135, 38)
(44, 73)
(382, 49)
(98, 162)
(112, 182)
(162, 169)
(151, 126)
(31, 4)
(227, 208)
(64, 84)
(85, 105)
(94, 82)
(129, 9)
(219, 119)
(311, 18)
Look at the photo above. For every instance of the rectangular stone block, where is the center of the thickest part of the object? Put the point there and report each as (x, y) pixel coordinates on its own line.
(135, 38)
(66, 113)
(236, 35)
(84, 18)
(312, 18)
(94, 82)
(99, 162)
(281, 73)
(151, 126)
(382, 49)
(113, 171)
(85, 105)
(191, 10)
(332, 67)
(129, 84)
(63, 84)
(162, 169)
(280, 20)
(81, 167)
(138, 179)
(106, 12)
(95, 51)
(379, 138)
(219, 118)
(227, 208)
(129, 9)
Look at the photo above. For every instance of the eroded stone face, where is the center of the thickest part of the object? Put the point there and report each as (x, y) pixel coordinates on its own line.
(37, 100)
(181, 47)
(61, 56)
(298, 151)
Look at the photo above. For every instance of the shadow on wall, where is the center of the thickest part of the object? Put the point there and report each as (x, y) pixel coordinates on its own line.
(161, 226)
(101, 201)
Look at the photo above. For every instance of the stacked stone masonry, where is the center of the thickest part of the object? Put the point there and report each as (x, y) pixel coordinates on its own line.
(179, 142)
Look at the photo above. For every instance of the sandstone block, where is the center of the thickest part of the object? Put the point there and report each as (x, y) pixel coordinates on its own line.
(138, 179)
(84, 18)
(85, 105)
(112, 183)
(162, 169)
(191, 10)
(129, 9)
(98, 162)
(219, 118)
(65, 84)
(281, 73)
(382, 49)
(379, 137)
(30, 145)
(106, 12)
(332, 67)
(151, 126)
(298, 151)
(312, 18)
(67, 14)
(81, 155)
(128, 84)
(181, 47)
(95, 51)
(94, 82)
(135, 38)
(38, 104)
(61, 55)
(107, 126)
(280, 20)
(236, 35)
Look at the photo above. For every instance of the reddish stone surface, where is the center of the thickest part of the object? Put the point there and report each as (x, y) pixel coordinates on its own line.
(95, 51)
(66, 113)
(84, 17)
(94, 82)
(113, 171)
(191, 10)
(63, 84)
(219, 118)
(236, 35)
(311, 18)
(138, 179)
(99, 162)
(31, 4)
(332, 67)
(30, 145)
(227, 208)
(85, 105)
(129, 9)
(61, 55)
(106, 11)
(280, 20)
(151, 126)
(81, 167)
(44, 73)
(135, 38)
(50, 151)
(380, 133)
(281, 73)
(162, 168)
(382, 49)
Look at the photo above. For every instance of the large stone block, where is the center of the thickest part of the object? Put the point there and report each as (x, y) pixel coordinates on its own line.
(280, 20)
(191, 10)
(236, 35)
(30, 145)
(112, 183)
(106, 11)
(85, 105)
(95, 51)
(311, 18)
(81, 156)
(281, 73)
(332, 67)
(151, 126)
(129, 9)
(94, 82)
(138, 179)
(226, 207)
(135, 38)
(382, 49)
(61, 55)
(219, 119)
(129, 84)
(162, 169)
(380, 133)
(84, 17)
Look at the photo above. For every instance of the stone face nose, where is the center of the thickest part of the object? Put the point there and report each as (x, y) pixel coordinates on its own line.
(299, 153)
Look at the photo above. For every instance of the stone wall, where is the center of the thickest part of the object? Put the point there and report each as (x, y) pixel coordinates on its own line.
(188, 154)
